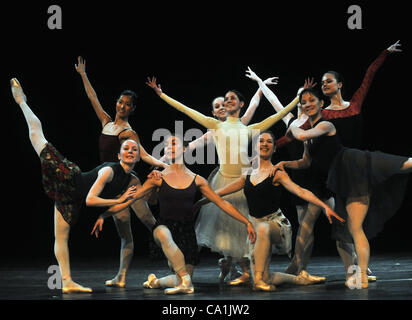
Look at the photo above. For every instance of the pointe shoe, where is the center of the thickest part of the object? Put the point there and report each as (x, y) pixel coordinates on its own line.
(260, 285)
(150, 283)
(73, 287)
(17, 91)
(115, 283)
(313, 279)
(243, 279)
(304, 278)
(77, 290)
(185, 286)
(353, 283)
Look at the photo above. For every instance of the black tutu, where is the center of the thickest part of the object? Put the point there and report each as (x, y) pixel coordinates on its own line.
(356, 173)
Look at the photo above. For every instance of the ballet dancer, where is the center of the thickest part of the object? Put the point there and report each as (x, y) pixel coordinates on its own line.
(70, 188)
(175, 232)
(112, 135)
(346, 116)
(227, 269)
(274, 232)
(368, 187)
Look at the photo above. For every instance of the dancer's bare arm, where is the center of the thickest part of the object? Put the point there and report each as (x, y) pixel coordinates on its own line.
(283, 178)
(91, 94)
(105, 176)
(235, 186)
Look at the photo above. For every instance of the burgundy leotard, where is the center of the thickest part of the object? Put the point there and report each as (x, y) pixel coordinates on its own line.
(348, 121)
(109, 146)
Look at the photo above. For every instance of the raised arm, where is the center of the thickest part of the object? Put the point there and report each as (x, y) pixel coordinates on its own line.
(272, 98)
(201, 141)
(283, 178)
(270, 121)
(91, 94)
(250, 111)
(224, 205)
(254, 102)
(207, 122)
(360, 94)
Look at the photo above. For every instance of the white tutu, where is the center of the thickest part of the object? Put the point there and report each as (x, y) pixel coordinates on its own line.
(285, 245)
(219, 231)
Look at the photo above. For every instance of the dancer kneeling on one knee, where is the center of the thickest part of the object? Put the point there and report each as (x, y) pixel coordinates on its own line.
(175, 232)
(263, 188)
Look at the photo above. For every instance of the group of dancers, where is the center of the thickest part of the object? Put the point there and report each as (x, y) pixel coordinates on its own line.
(239, 216)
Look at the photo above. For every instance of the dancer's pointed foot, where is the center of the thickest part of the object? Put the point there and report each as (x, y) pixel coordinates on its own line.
(260, 285)
(310, 277)
(17, 91)
(119, 281)
(69, 286)
(185, 286)
(304, 278)
(243, 279)
(152, 282)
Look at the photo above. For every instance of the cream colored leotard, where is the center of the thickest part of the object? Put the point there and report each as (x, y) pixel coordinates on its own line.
(231, 136)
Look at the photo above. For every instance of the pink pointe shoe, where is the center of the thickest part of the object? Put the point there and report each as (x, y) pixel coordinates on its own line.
(185, 286)
(17, 91)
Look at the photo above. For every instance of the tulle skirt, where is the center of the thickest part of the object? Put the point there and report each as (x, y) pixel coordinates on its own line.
(219, 231)
(278, 220)
(356, 173)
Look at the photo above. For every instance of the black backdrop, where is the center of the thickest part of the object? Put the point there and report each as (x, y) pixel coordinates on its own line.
(197, 51)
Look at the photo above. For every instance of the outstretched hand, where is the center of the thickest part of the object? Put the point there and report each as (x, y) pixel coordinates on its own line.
(251, 75)
(152, 84)
(81, 66)
(330, 213)
(272, 80)
(309, 83)
(394, 47)
(98, 226)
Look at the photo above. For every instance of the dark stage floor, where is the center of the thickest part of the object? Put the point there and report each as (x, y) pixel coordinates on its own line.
(29, 281)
